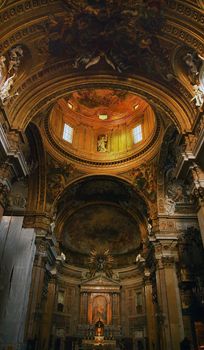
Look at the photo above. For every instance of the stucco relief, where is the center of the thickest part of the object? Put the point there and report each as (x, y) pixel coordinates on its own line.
(18, 196)
(174, 194)
(58, 177)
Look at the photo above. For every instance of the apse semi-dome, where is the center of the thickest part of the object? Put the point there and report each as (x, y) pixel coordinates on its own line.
(101, 126)
(100, 213)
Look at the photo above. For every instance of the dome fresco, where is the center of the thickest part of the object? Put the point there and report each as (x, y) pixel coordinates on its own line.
(101, 122)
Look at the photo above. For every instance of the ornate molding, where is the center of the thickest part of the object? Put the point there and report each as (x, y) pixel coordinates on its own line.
(18, 36)
(168, 261)
(9, 143)
(82, 161)
(23, 7)
(183, 36)
(40, 221)
(187, 11)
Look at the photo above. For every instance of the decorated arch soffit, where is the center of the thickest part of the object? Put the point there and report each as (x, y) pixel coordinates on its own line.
(104, 210)
(68, 44)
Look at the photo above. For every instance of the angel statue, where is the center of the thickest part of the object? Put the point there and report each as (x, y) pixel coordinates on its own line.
(3, 70)
(5, 88)
(198, 95)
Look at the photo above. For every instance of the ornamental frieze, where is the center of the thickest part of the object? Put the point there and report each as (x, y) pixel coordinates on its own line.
(37, 78)
(186, 11)
(23, 7)
(182, 36)
(19, 36)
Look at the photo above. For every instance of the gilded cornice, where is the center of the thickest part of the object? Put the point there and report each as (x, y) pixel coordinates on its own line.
(182, 36)
(98, 164)
(33, 101)
(178, 9)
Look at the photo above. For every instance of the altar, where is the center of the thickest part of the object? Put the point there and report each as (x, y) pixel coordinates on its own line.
(99, 313)
(97, 344)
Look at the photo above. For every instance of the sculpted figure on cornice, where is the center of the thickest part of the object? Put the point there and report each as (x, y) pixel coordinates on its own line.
(174, 195)
(8, 71)
(194, 66)
(18, 195)
(177, 194)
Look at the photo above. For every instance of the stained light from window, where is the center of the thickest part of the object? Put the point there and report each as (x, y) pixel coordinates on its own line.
(137, 134)
(68, 133)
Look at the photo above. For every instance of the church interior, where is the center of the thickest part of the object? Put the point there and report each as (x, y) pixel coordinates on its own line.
(101, 175)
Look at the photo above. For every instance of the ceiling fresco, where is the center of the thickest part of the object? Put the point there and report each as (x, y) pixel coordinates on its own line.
(101, 227)
(121, 35)
(104, 189)
(103, 121)
(117, 104)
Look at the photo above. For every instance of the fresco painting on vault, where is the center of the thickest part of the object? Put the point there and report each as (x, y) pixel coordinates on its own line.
(115, 33)
(118, 232)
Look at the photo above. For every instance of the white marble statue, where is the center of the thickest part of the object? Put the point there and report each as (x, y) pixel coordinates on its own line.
(63, 257)
(5, 88)
(3, 70)
(16, 55)
(199, 87)
(169, 205)
(102, 143)
(198, 95)
(7, 75)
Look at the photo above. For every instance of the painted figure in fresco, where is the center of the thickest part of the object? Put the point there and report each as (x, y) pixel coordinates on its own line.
(99, 309)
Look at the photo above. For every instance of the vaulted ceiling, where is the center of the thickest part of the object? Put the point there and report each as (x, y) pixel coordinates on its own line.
(70, 61)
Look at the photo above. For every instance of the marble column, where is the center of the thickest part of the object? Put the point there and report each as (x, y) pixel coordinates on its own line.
(34, 316)
(200, 212)
(83, 307)
(6, 175)
(150, 310)
(198, 192)
(169, 314)
(46, 324)
(90, 302)
(17, 251)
